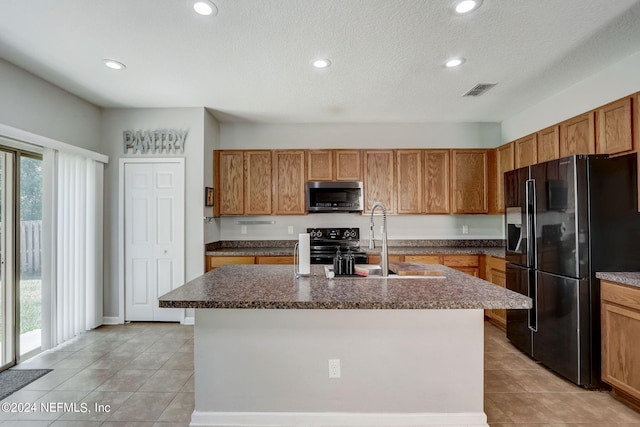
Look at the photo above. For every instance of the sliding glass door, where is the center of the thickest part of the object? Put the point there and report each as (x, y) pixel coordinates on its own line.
(7, 274)
(20, 256)
(30, 259)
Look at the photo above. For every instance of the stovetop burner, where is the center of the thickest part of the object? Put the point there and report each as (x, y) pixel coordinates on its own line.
(325, 242)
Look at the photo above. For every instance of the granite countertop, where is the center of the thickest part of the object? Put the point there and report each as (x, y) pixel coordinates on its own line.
(625, 278)
(275, 287)
(393, 250)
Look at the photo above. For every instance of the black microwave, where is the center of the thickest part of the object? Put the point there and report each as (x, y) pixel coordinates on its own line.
(334, 196)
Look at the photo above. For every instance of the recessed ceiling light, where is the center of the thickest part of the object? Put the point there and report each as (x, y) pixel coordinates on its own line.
(466, 6)
(205, 7)
(114, 65)
(321, 63)
(454, 62)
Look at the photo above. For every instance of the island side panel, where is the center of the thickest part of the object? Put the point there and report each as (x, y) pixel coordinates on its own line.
(392, 362)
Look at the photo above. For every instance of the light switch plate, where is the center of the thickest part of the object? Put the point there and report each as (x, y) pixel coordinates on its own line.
(243, 229)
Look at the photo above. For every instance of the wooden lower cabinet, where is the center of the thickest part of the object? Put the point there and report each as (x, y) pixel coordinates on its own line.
(218, 261)
(375, 259)
(496, 273)
(425, 259)
(466, 263)
(620, 344)
(274, 260)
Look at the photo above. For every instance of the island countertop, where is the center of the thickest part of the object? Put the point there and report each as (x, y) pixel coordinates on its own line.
(275, 287)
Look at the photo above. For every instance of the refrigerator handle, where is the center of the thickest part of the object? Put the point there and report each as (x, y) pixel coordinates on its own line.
(533, 313)
(530, 195)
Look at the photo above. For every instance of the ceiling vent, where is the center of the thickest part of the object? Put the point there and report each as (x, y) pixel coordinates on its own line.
(479, 89)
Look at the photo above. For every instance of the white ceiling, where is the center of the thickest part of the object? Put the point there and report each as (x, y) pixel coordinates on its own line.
(251, 62)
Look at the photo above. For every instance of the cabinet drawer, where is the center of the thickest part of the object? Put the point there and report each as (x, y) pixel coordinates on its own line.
(218, 261)
(620, 294)
(425, 259)
(274, 260)
(460, 260)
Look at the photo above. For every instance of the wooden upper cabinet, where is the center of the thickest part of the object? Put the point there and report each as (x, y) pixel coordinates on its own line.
(257, 194)
(230, 182)
(409, 173)
(548, 144)
(615, 127)
(379, 183)
(436, 182)
(469, 181)
(577, 135)
(334, 165)
(288, 182)
(526, 151)
(348, 165)
(502, 159)
(320, 165)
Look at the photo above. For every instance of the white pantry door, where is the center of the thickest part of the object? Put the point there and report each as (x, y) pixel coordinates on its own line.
(154, 238)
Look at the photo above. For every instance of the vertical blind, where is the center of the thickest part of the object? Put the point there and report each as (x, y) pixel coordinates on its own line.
(74, 235)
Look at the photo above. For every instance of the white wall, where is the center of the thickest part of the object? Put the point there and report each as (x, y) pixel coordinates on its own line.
(211, 142)
(614, 82)
(365, 135)
(114, 122)
(359, 135)
(29, 103)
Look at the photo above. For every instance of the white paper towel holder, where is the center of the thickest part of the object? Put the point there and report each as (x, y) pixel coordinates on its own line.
(296, 262)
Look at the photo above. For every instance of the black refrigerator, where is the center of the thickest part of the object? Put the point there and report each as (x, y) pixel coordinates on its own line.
(567, 219)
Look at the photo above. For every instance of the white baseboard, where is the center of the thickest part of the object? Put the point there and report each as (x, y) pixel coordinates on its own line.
(328, 419)
(112, 320)
(191, 320)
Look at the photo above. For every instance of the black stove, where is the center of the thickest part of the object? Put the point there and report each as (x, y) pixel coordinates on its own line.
(325, 242)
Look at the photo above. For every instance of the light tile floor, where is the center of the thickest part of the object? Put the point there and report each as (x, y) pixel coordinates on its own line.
(138, 374)
(143, 372)
(521, 393)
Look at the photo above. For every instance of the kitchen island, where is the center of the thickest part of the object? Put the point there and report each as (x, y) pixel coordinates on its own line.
(409, 351)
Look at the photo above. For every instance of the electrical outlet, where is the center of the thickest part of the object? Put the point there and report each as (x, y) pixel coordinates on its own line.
(243, 229)
(334, 368)
(290, 229)
(465, 229)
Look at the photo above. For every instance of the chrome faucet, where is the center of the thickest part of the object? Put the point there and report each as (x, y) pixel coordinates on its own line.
(384, 259)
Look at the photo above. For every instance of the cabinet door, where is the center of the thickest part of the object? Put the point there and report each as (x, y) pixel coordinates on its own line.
(230, 176)
(409, 167)
(496, 274)
(257, 195)
(577, 135)
(348, 165)
(615, 127)
(379, 183)
(621, 321)
(320, 165)
(526, 151)
(288, 182)
(469, 169)
(436, 182)
(503, 161)
(548, 144)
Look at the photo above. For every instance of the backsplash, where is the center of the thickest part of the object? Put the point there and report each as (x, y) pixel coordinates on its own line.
(400, 227)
